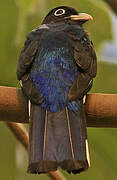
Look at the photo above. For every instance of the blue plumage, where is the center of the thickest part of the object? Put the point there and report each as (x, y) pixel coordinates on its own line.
(53, 73)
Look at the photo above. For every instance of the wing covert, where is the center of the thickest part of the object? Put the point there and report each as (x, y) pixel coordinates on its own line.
(25, 61)
(85, 57)
(26, 57)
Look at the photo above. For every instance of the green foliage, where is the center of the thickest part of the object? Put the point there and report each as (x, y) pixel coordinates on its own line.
(17, 18)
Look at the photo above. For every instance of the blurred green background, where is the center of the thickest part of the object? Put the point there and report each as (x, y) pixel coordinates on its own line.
(17, 18)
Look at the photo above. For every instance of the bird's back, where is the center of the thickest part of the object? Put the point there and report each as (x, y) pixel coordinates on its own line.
(54, 70)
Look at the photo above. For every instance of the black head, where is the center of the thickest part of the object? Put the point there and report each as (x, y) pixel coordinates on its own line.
(65, 13)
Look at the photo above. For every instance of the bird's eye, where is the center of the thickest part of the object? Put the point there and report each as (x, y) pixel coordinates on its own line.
(59, 12)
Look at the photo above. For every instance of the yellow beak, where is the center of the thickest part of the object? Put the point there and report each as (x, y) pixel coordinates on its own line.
(81, 16)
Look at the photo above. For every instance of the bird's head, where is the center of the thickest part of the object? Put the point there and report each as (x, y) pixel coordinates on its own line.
(65, 13)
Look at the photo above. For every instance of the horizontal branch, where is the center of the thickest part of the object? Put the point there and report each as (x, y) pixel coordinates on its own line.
(101, 109)
(13, 105)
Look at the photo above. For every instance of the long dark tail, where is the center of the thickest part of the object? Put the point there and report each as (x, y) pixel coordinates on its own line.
(58, 139)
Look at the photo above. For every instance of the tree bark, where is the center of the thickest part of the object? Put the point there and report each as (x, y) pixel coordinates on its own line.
(101, 109)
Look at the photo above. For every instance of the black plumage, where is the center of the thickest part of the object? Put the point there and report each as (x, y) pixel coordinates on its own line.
(56, 67)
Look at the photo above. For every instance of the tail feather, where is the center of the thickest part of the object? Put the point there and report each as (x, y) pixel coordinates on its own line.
(37, 143)
(57, 139)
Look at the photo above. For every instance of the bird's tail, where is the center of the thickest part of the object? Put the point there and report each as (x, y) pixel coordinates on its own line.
(58, 140)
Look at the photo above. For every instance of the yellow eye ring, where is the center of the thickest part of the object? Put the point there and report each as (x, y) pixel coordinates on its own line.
(59, 12)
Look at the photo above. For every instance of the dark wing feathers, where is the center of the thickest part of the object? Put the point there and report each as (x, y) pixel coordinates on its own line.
(26, 58)
(85, 58)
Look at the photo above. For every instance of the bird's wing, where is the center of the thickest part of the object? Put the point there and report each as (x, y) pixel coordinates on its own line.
(85, 57)
(26, 57)
(25, 61)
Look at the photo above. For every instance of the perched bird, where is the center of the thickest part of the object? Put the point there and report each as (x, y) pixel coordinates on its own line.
(56, 68)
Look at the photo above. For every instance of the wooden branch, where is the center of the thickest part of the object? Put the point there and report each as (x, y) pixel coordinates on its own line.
(101, 109)
(21, 135)
(13, 105)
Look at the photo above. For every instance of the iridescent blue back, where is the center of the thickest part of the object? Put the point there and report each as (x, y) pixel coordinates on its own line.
(54, 70)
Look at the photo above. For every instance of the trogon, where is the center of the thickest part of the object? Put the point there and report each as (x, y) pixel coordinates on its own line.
(56, 68)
